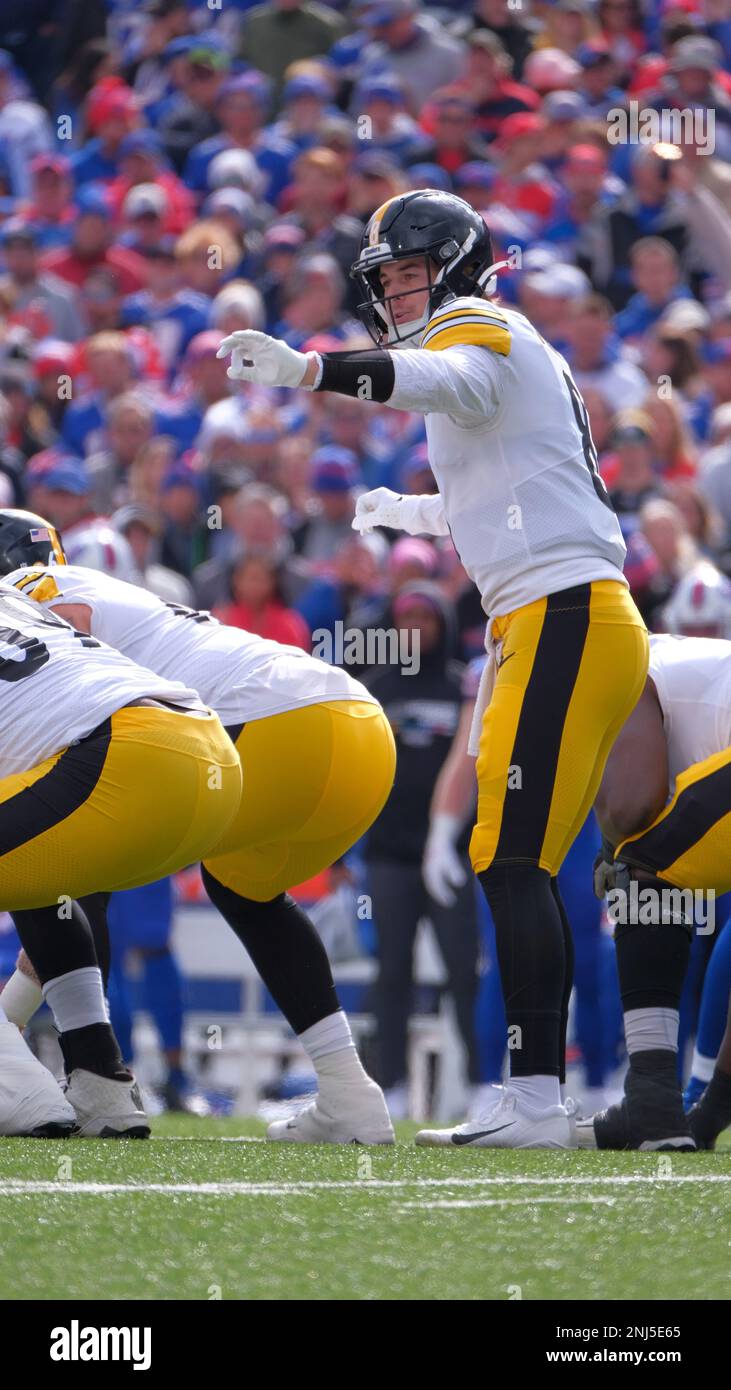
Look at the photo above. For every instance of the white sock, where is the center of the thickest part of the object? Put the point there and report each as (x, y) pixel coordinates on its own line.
(702, 1068)
(77, 999)
(537, 1092)
(330, 1047)
(21, 997)
(646, 1030)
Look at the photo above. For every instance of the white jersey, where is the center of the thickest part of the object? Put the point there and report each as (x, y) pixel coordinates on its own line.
(56, 685)
(241, 676)
(692, 676)
(511, 450)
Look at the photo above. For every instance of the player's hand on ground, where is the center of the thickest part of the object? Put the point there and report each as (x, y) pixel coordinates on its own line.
(259, 358)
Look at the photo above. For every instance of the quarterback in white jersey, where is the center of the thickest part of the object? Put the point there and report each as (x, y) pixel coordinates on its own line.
(106, 780)
(318, 761)
(520, 494)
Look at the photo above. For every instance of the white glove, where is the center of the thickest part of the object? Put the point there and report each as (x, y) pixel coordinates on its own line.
(259, 358)
(418, 516)
(442, 868)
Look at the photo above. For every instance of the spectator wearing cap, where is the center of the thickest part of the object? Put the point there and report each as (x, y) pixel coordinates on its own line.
(92, 247)
(694, 69)
(630, 470)
(143, 164)
(111, 113)
(548, 296)
(25, 131)
(145, 211)
(586, 189)
(508, 27)
(53, 360)
(281, 32)
(185, 537)
(191, 114)
(58, 487)
(306, 103)
(598, 81)
(142, 529)
(656, 276)
(596, 356)
(36, 297)
(429, 176)
(551, 70)
(716, 367)
(315, 203)
(49, 210)
(242, 105)
(111, 371)
(486, 81)
(129, 427)
(451, 122)
(474, 182)
(173, 312)
(334, 480)
(524, 184)
(100, 299)
(374, 178)
(281, 245)
(312, 300)
(412, 45)
(390, 128)
(563, 113)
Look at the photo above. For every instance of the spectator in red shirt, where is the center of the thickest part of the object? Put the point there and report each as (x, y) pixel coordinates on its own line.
(453, 131)
(258, 604)
(92, 247)
(486, 82)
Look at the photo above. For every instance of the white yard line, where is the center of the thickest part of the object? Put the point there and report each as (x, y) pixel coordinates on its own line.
(462, 1203)
(18, 1187)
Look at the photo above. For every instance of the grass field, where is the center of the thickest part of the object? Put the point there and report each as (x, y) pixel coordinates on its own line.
(206, 1210)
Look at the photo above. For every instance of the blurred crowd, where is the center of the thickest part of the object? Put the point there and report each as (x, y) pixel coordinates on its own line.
(172, 170)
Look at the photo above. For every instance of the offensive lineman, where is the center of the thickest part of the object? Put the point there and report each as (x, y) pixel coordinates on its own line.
(520, 493)
(109, 776)
(319, 761)
(664, 808)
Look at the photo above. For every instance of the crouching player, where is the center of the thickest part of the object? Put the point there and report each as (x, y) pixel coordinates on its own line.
(664, 808)
(319, 761)
(109, 776)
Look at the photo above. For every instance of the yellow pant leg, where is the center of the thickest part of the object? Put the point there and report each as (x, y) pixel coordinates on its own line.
(572, 670)
(147, 798)
(689, 843)
(314, 780)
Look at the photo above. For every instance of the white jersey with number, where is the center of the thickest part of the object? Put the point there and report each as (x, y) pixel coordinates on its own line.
(56, 685)
(692, 676)
(241, 676)
(511, 450)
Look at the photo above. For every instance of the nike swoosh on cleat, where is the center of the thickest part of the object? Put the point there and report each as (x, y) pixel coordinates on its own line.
(480, 1134)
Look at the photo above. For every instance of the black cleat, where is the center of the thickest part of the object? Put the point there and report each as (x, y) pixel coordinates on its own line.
(650, 1116)
(711, 1115)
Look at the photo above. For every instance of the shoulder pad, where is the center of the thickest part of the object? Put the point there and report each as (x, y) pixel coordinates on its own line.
(468, 321)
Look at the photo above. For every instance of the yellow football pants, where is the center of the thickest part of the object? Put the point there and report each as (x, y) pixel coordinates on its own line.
(150, 791)
(689, 843)
(315, 779)
(573, 666)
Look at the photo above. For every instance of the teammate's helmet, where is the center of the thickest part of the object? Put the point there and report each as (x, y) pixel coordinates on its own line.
(452, 239)
(27, 539)
(97, 546)
(700, 605)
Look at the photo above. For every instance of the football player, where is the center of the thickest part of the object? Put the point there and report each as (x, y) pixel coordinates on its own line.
(664, 808)
(319, 762)
(109, 776)
(520, 493)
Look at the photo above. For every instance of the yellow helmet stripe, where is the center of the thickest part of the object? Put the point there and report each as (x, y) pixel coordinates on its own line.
(375, 223)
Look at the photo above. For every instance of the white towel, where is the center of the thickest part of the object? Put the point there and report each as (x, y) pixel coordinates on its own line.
(484, 691)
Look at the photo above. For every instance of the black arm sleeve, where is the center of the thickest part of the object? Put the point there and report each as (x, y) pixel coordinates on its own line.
(368, 375)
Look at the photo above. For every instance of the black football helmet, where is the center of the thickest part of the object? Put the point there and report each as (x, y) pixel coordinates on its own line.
(454, 242)
(27, 539)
